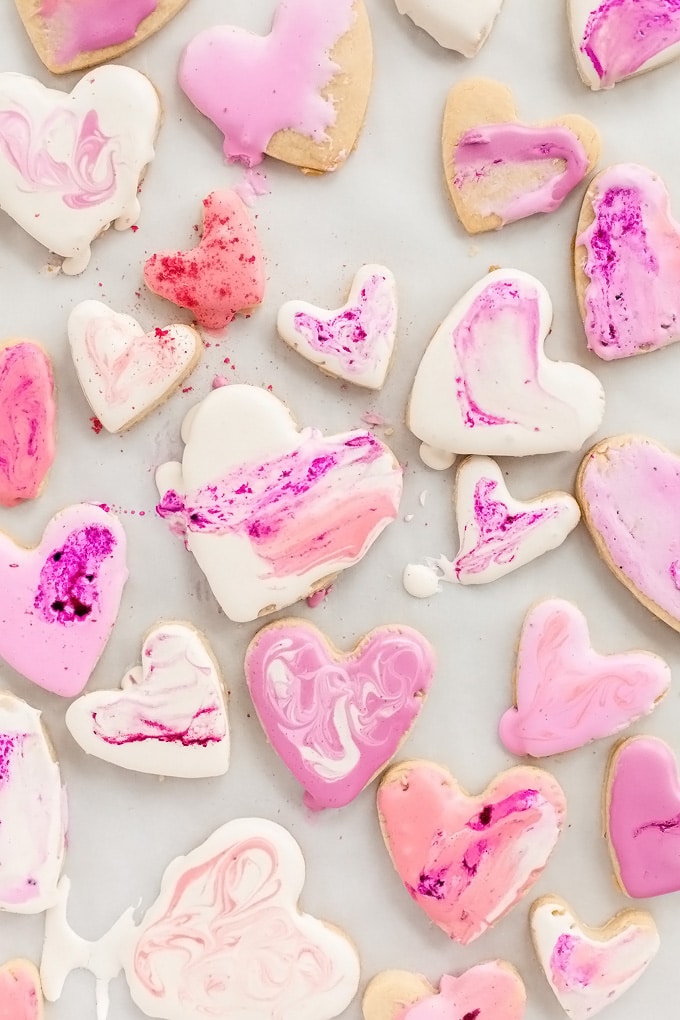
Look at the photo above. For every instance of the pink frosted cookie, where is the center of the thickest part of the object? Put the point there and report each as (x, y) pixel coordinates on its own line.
(298, 94)
(489, 991)
(566, 694)
(336, 720)
(27, 421)
(467, 860)
(62, 598)
(627, 263)
(589, 968)
(223, 276)
(499, 170)
(21, 996)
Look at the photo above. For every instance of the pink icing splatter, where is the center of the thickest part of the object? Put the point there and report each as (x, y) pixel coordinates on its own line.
(82, 26)
(67, 591)
(622, 35)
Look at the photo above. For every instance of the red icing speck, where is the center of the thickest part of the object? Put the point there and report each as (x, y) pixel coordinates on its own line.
(134, 228)
(96, 425)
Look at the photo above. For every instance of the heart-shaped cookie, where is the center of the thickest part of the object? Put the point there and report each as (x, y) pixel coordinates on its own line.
(223, 275)
(489, 991)
(616, 39)
(272, 513)
(466, 860)
(629, 490)
(27, 421)
(298, 94)
(566, 694)
(334, 719)
(355, 342)
(627, 263)
(170, 716)
(485, 386)
(642, 816)
(21, 996)
(124, 372)
(62, 598)
(498, 169)
(70, 163)
(455, 24)
(589, 968)
(69, 37)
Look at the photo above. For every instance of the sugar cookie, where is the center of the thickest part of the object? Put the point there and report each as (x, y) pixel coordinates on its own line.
(21, 996)
(489, 991)
(27, 421)
(454, 24)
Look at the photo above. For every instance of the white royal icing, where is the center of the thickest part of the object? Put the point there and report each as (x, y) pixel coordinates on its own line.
(462, 25)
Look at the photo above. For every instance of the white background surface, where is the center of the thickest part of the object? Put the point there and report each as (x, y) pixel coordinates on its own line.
(388, 204)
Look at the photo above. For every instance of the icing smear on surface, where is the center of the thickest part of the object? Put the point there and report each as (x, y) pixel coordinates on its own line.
(82, 26)
(621, 36)
(27, 421)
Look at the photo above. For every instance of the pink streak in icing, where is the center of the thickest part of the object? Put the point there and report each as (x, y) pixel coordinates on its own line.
(622, 35)
(313, 506)
(632, 299)
(335, 722)
(490, 147)
(567, 694)
(20, 994)
(467, 860)
(88, 180)
(253, 86)
(83, 26)
(146, 358)
(489, 991)
(27, 421)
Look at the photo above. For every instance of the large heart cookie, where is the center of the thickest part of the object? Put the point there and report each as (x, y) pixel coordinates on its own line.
(335, 719)
(466, 860)
(124, 372)
(455, 24)
(489, 991)
(485, 386)
(27, 421)
(170, 716)
(62, 598)
(354, 342)
(272, 513)
(627, 263)
(298, 94)
(70, 163)
(589, 968)
(499, 170)
(566, 694)
(616, 39)
(70, 36)
(21, 996)
(629, 490)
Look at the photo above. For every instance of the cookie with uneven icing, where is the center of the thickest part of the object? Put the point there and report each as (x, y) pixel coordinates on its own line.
(498, 169)
(489, 991)
(298, 94)
(454, 24)
(27, 421)
(21, 996)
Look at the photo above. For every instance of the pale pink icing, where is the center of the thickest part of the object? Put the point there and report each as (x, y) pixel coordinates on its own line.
(334, 721)
(82, 26)
(643, 822)
(253, 86)
(567, 694)
(467, 860)
(632, 262)
(489, 991)
(596, 970)
(483, 150)
(622, 35)
(20, 994)
(27, 421)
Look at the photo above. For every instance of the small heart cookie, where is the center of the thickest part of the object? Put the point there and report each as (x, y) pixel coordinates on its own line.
(27, 421)
(21, 996)
(298, 94)
(566, 694)
(170, 716)
(467, 860)
(589, 968)
(489, 991)
(485, 385)
(124, 372)
(627, 263)
(454, 24)
(616, 39)
(355, 342)
(499, 170)
(70, 36)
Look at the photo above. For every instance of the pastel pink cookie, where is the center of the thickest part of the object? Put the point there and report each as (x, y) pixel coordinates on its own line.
(224, 275)
(335, 719)
(566, 694)
(27, 421)
(62, 598)
(467, 860)
(489, 991)
(20, 993)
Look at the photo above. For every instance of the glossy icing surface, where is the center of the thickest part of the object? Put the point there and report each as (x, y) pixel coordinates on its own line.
(455, 24)
(27, 421)
(81, 26)
(489, 991)
(615, 39)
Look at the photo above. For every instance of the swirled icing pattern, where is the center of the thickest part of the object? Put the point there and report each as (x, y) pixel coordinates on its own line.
(27, 421)
(622, 36)
(81, 26)
(336, 720)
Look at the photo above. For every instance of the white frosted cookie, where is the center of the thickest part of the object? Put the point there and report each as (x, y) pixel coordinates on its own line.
(455, 24)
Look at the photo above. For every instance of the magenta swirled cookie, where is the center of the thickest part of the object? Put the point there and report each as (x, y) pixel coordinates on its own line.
(488, 991)
(27, 421)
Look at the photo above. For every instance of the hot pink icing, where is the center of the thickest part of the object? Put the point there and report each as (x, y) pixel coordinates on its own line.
(467, 860)
(20, 994)
(622, 35)
(83, 26)
(567, 694)
(632, 262)
(27, 421)
(253, 86)
(334, 721)
(482, 151)
(643, 818)
(489, 991)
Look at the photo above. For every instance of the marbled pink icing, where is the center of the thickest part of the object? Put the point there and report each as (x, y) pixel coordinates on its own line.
(489, 991)
(622, 35)
(27, 421)
(82, 26)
